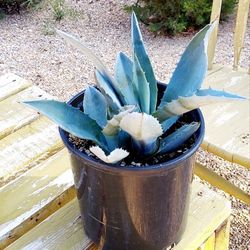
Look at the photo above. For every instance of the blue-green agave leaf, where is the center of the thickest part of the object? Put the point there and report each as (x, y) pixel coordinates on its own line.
(218, 93)
(95, 106)
(97, 62)
(112, 142)
(142, 85)
(70, 119)
(104, 84)
(191, 69)
(124, 77)
(168, 123)
(176, 139)
(198, 99)
(140, 52)
(124, 139)
(143, 149)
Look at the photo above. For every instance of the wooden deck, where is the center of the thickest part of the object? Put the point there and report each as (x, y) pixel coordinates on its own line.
(38, 205)
(228, 124)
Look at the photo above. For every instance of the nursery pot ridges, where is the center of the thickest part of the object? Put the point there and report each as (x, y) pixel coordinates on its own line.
(134, 207)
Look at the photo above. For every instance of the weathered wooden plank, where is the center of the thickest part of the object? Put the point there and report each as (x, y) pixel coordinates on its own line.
(217, 181)
(63, 230)
(215, 14)
(222, 236)
(216, 68)
(11, 84)
(34, 196)
(26, 147)
(209, 244)
(231, 143)
(207, 212)
(240, 29)
(14, 115)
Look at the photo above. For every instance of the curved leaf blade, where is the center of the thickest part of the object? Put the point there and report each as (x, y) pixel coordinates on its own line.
(92, 57)
(95, 106)
(70, 119)
(112, 142)
(124, 139)
(142, 85)
(141, 126)
(176, 139)
(85, 50)
(191, 69)
(112, 127)
(115, 156)
(124, 77)
(218, 93)
(143, 149)
(168, 123)
(104, 84)
(140, 52)
(198, 99)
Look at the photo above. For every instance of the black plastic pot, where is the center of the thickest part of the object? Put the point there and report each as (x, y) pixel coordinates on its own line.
(133, 208)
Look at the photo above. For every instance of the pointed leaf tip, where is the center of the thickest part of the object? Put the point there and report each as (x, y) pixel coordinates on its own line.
(177, 138)
(191, 69)
(168, 123)
(115, 156)
(77, 43)
(142, 85)
(139, 51)
(70, 119)
(200, 98)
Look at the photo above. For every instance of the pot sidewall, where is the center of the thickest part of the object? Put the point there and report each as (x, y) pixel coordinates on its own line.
(133, 207)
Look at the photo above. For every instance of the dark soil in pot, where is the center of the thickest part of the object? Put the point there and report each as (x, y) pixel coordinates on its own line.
(133, 160)
(134, 207)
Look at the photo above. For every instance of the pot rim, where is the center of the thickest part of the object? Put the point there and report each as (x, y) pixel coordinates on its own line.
(171, 164)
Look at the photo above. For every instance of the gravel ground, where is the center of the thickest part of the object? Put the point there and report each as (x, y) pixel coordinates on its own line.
(30, 50)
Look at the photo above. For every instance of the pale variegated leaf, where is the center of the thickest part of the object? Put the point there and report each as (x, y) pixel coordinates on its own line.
(86, 51)
(198, 99)
(104, 84)
(141, 126)
(177, 138)
(208, 96)
(191, 69)
(115, 156)
(113, 126)
(97, 62)
(142, 56)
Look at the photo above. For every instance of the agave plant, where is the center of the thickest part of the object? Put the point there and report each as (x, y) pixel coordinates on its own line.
(120, 114)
